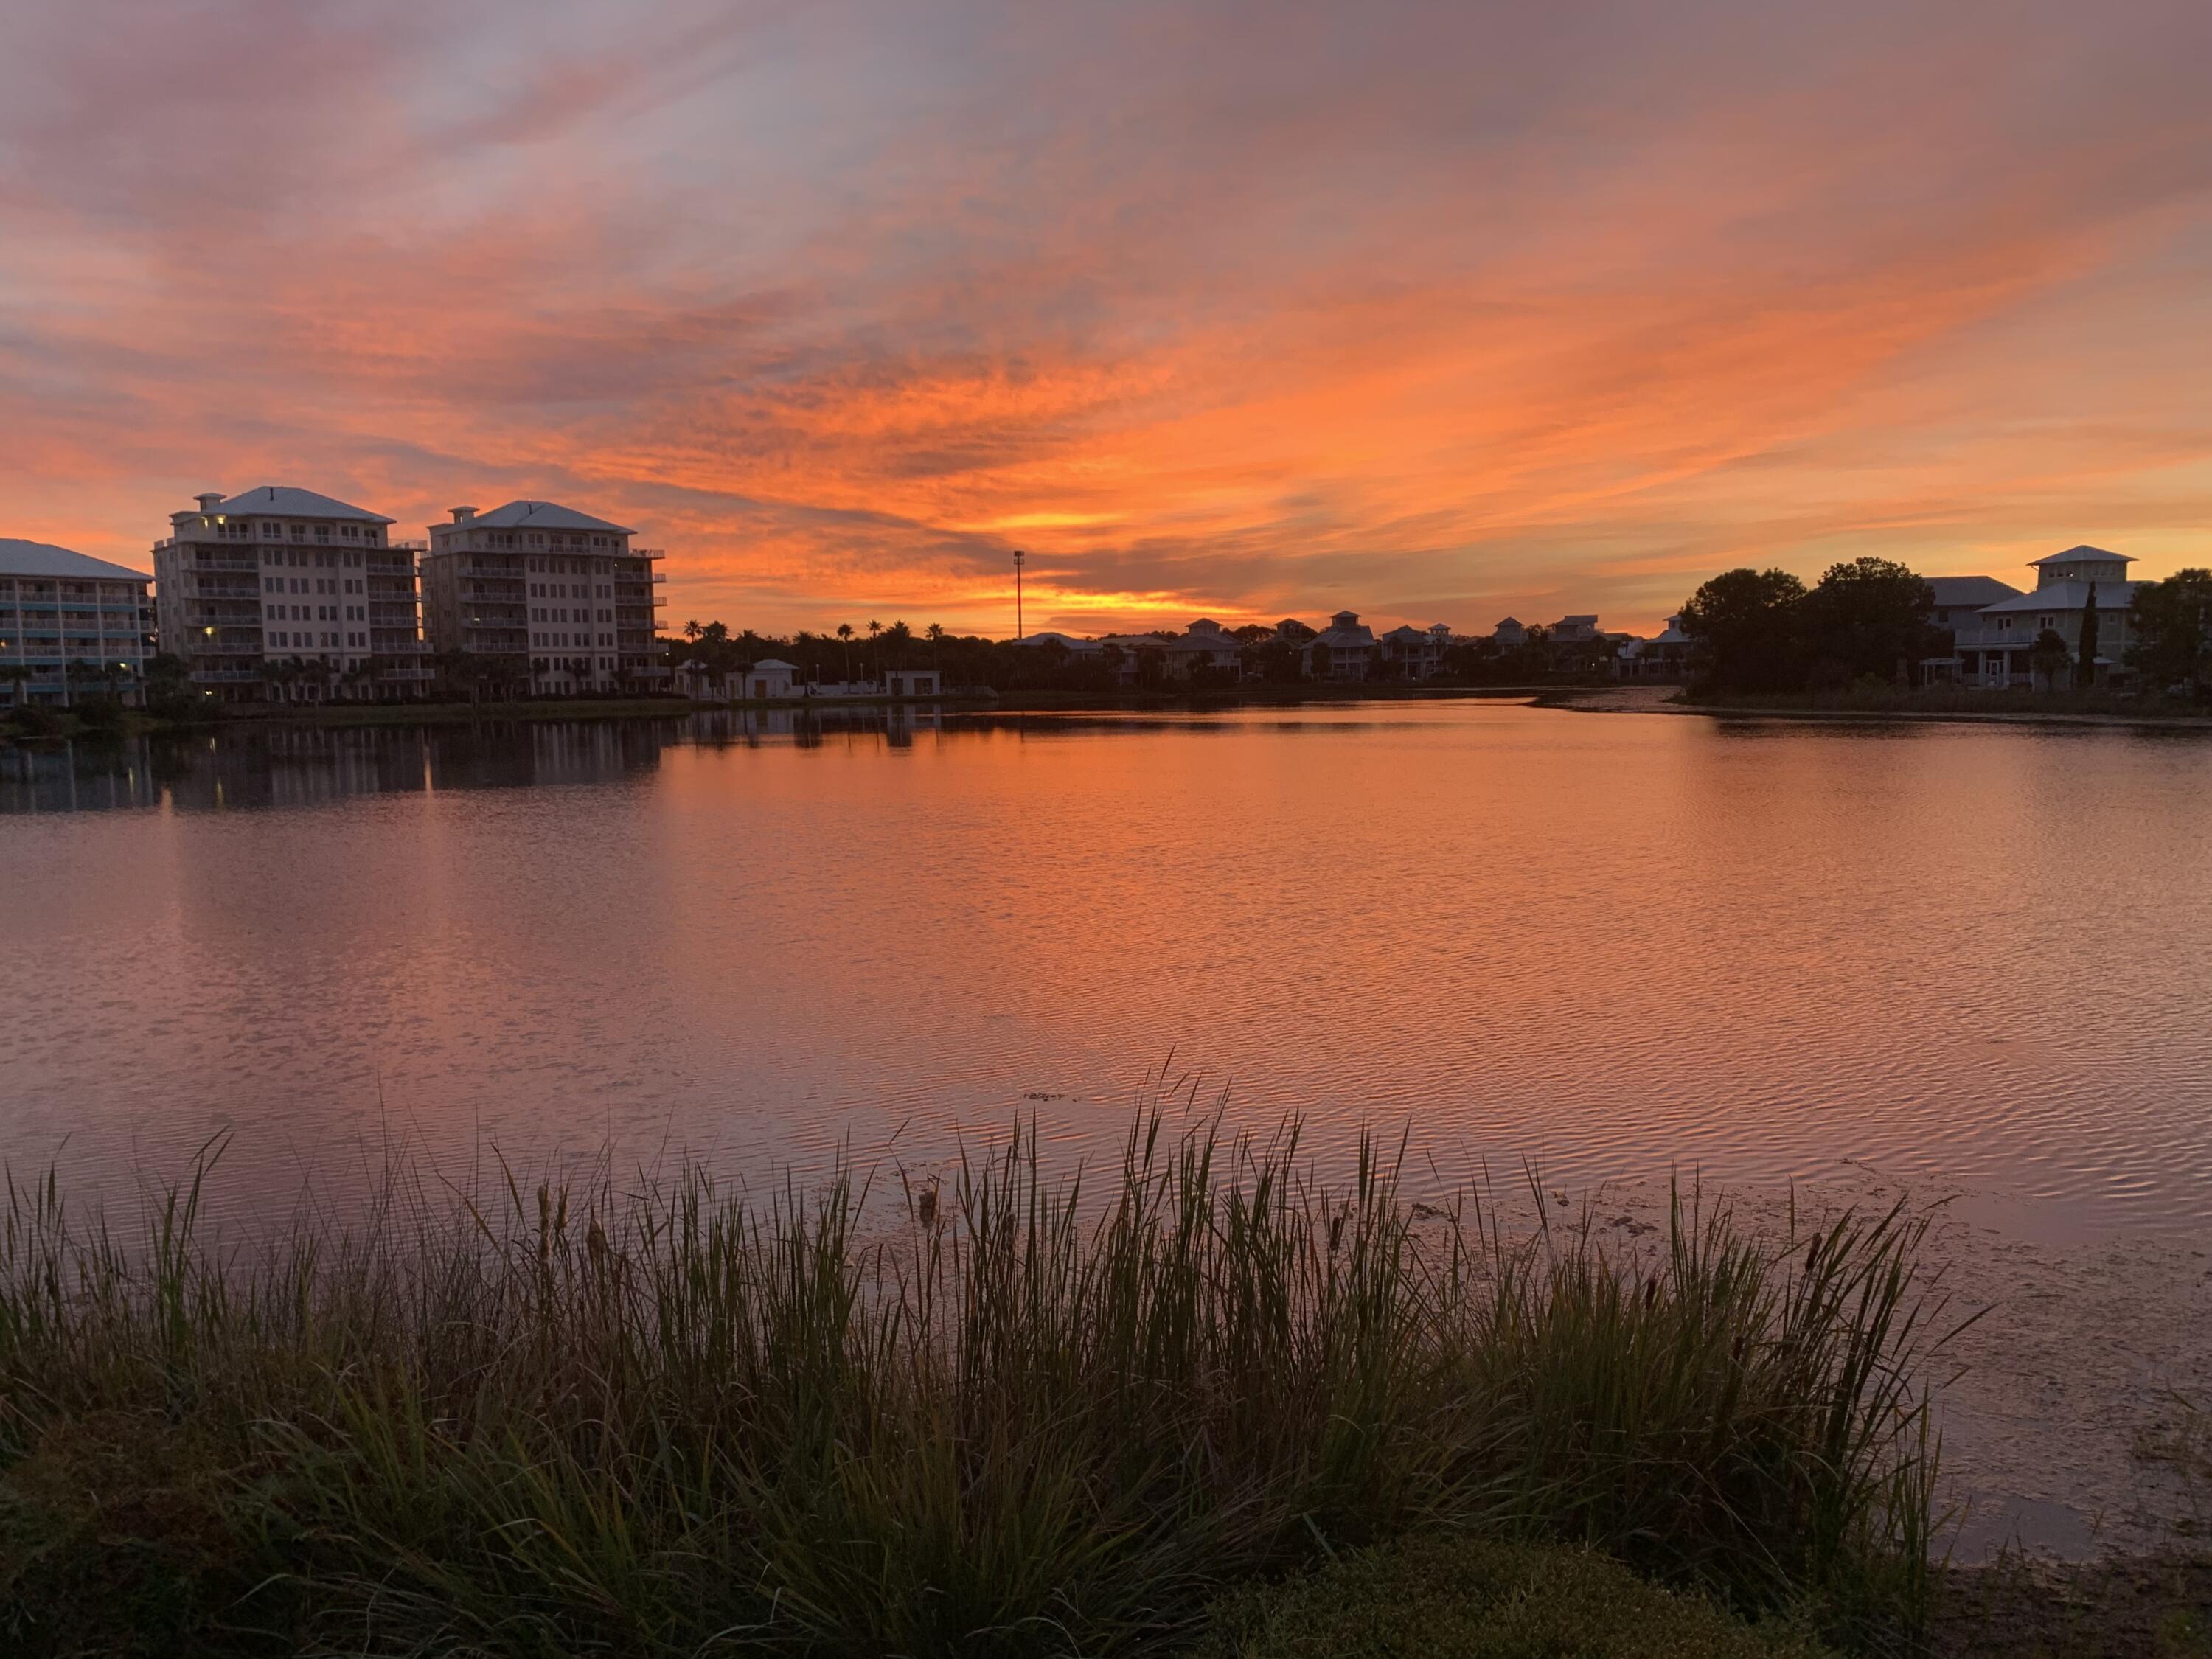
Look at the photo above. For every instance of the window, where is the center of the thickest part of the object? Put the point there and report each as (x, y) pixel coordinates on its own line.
(2046, 622)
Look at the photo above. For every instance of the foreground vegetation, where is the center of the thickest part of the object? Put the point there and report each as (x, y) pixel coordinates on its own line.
(1015, 1417)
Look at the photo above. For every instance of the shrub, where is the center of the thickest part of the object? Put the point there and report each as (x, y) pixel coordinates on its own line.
(1037, 1419)
(1447, 1597)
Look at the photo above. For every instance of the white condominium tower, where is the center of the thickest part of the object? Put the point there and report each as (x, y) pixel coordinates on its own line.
(546, 600)
(283, 595)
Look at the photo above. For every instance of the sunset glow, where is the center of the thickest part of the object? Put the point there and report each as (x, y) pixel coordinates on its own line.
(1438, 313)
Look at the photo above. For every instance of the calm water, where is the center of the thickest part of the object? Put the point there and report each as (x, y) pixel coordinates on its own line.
(1965, 958)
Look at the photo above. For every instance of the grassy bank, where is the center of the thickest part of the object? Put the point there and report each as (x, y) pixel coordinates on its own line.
(1012, 1417)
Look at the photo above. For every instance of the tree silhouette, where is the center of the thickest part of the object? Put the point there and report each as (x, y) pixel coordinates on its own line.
(2085, 673)
(845, 635)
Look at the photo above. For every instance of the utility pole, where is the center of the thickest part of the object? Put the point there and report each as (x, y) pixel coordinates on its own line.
(1020, 558)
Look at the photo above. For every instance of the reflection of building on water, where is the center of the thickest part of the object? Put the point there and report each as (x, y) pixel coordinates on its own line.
(806, 728)
(293, 766)
(77, 777)
(312, 766)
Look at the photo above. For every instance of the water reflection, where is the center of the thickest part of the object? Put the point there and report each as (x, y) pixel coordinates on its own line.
(283, 766)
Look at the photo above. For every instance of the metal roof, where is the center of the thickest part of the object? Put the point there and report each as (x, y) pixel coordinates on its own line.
(285, 501)
(2084, 552)
(1974, 591)
(21, 558)
(2067, 596)
(540, 515)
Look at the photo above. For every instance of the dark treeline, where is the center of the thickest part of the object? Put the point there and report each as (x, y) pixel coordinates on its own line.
(970, 661)
(1764, 630)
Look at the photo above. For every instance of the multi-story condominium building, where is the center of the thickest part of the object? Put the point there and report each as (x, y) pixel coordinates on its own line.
(545, 600)
(283, 595)
(70, 626)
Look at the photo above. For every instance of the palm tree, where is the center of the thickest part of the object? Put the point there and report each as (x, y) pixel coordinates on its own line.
(935, 635)
(14, 674)
(692, 630)
(845, 634)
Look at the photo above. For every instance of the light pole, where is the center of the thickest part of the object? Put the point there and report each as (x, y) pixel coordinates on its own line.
(1020, 559)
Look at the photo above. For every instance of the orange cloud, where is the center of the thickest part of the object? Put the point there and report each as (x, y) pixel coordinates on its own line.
(1438, 313)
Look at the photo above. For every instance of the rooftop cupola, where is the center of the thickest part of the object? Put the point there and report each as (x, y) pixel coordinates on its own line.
(209, 500)
(462, 514)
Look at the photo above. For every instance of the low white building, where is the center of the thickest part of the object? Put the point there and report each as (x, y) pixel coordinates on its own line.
(769, 678)
(70, 626)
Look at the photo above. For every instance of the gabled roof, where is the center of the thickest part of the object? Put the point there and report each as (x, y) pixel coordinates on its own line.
(2072, 555)
(1511, 622)
(21, 558)
(772, 663)
(1357, 638)
(540, 515)
(285, 501)
(2067, 596)
(1407, 630)
(1976, 592)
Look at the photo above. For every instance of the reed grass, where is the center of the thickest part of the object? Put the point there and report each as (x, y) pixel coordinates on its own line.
(656, 1418)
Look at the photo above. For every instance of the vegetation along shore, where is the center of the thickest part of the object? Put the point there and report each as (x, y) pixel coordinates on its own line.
(1019, 1417)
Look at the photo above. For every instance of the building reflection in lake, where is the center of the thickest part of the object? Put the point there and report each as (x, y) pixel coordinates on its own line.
(295, 766)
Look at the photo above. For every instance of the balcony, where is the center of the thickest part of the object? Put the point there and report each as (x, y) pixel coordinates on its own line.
(220, 562)
(224, 676)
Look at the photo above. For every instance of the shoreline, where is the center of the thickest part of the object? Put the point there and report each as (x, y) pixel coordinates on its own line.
(1662, 700)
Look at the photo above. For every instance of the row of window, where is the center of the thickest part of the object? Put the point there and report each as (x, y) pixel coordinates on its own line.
(112, 591)
(337, 558)
(316, 613)
(2111, 623)
(272, 529)
(560, 590)
(554, 641)
(536, 538)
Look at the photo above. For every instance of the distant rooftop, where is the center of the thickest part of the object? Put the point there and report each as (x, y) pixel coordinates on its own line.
(543, 516)
(21, 558)
(2073, 555)
(1952, 591)
(285, 501)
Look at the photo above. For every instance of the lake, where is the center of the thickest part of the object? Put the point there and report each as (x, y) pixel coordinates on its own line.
(1786, 958)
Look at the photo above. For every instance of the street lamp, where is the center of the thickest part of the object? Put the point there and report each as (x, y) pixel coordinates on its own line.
(1020, 559)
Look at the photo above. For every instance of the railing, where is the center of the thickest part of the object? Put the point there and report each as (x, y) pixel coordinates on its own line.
(229, 675)
(648, 552)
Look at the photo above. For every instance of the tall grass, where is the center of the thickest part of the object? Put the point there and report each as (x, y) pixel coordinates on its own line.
(1028, 1418)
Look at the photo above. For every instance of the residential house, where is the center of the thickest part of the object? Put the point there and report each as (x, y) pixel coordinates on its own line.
(71, 625)
(1664, 656)
(1993, 644)
(1509, 633)
(1345, 650)
(281, 594)
(1407, 653)
(1205, 645)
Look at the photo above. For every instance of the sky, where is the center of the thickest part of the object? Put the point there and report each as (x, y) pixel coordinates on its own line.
(1438, 312)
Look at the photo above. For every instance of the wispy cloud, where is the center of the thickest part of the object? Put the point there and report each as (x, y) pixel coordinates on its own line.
(1439, 311)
